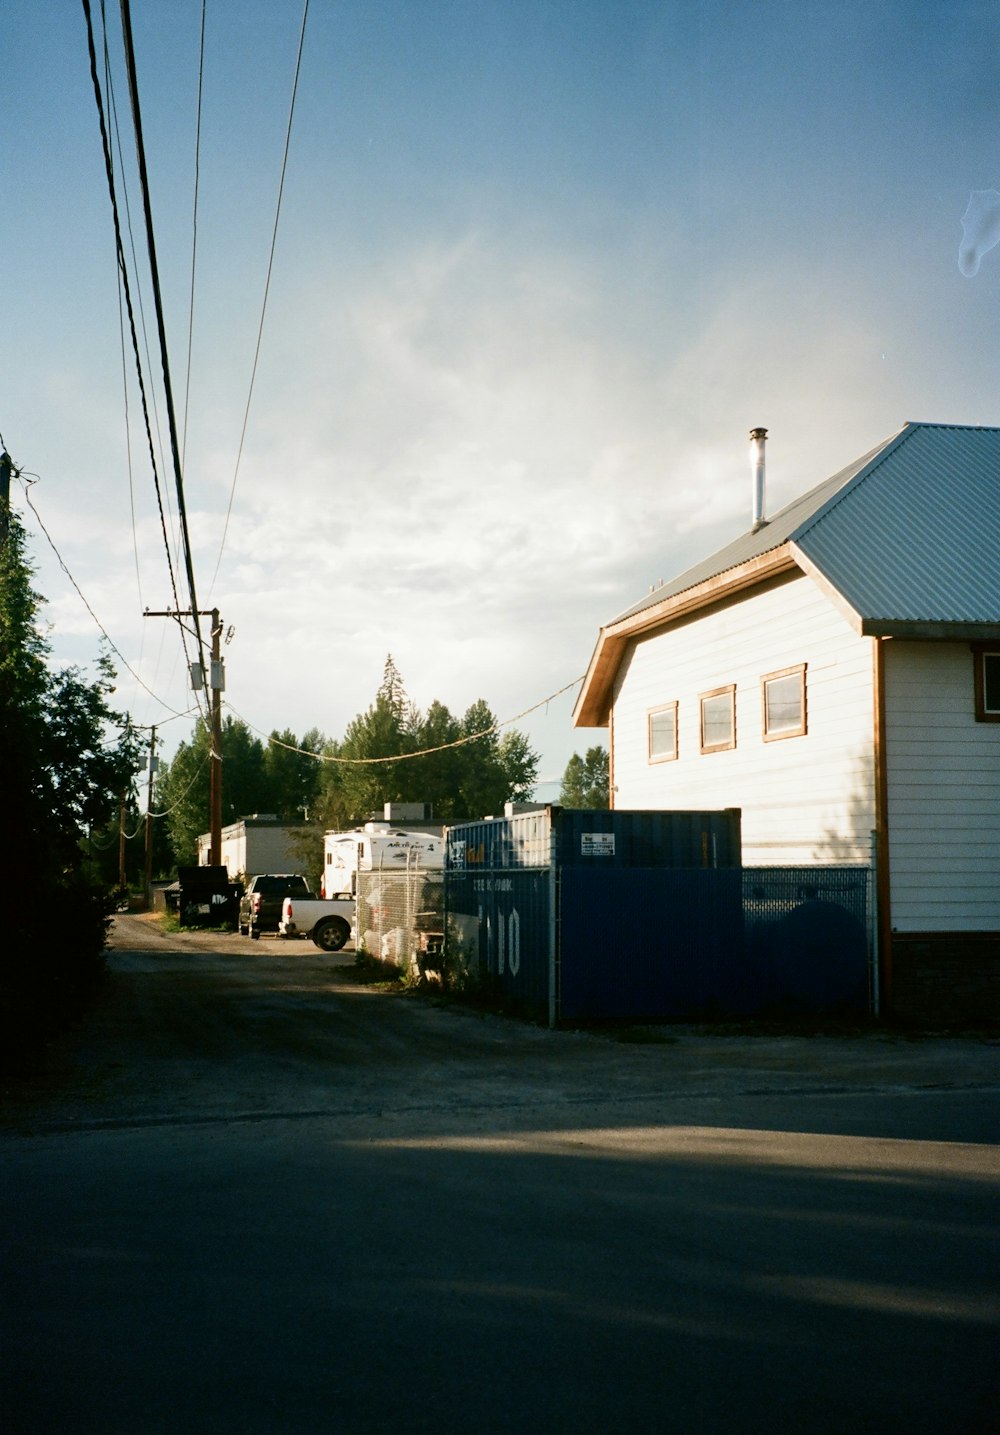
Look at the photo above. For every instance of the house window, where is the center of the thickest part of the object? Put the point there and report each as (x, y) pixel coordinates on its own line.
(662, 729)
(987, 684)
(718, 719)
(783, 697)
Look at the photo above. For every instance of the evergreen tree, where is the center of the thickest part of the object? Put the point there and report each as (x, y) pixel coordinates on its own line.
(333, 810)
(386, 730)
(586, 781)
(491, 770)
(467, 781)
(432, 778)
(292, 778)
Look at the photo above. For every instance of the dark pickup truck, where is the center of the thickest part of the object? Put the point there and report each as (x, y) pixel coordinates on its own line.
(260, 908)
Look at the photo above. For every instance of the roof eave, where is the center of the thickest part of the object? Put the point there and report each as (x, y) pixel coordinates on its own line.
(921, 630)
(870, 626)
(593, 705)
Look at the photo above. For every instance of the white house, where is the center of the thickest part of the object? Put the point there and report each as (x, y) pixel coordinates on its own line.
(835, 673)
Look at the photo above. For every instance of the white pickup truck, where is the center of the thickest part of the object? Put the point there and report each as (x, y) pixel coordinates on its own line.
(328, 921)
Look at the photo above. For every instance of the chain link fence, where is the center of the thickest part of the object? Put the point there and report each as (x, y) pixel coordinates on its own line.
(400, 917)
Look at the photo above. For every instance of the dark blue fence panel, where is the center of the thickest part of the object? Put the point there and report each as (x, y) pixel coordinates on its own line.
(806, 938)
(498, 933)
(668, 943)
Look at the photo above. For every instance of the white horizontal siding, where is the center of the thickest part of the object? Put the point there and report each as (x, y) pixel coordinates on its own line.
(944, 793)
(804, 799)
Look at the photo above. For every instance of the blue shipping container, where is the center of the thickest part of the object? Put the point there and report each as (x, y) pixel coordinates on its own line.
(505, 931)
(569, 837)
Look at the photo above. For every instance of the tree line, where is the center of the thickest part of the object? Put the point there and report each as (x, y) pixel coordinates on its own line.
(466, 769)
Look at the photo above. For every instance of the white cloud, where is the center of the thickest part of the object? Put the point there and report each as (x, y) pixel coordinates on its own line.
(461, 463)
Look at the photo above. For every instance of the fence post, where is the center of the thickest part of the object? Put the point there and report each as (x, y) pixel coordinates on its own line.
(553, 926)
(873, 907)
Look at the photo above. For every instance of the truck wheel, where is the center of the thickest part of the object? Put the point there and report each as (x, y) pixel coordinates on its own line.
(331, 934)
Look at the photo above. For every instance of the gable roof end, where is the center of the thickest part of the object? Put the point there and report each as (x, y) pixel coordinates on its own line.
(906, 540)
(913, 545)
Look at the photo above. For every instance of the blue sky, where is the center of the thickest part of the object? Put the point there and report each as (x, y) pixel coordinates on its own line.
(539, 270)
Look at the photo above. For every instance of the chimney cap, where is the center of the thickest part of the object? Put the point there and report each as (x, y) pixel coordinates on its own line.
(758, 433)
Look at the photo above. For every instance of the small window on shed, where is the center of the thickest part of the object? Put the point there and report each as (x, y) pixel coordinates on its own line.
(987, 684)
(783, 697)
(718, 719)
(662, 731)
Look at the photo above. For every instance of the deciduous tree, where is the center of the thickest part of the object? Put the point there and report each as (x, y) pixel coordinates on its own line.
(66, 759)
(182, 789)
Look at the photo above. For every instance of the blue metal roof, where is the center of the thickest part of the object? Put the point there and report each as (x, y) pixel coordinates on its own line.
(908, 534)
(915, 537)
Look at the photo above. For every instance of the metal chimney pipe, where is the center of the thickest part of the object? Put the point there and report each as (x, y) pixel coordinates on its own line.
(758, 437)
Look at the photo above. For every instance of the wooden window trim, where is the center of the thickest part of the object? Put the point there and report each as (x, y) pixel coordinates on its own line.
(661, 756)
(730, 691)
(799, 670)
(979, 652)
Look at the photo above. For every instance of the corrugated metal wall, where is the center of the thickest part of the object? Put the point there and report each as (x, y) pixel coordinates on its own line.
(499, 934)
(562, 941)
(606, 840)
(598, 839)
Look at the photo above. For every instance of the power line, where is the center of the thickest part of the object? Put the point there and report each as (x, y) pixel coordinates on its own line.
(100, 626)
(125, 286)
(267, 286)
(198, 771)
(160, 323)
(194, 231)
(121, 335)
(135, 262)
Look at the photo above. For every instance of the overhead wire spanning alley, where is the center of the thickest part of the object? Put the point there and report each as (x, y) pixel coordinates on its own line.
(19, 474)
(150, 814)
(267, 288)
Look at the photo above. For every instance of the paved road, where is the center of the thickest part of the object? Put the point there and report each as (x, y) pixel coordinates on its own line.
(251, 1194)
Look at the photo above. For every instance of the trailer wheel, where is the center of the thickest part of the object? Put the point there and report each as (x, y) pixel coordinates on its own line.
(331, 934)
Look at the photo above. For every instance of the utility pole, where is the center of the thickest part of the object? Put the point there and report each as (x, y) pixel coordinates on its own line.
(218, 683)
(121, 844)
(6, 469)
(215, 771)
(149, 819)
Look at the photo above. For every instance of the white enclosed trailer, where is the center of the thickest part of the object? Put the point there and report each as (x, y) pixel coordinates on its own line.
(376, 847)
